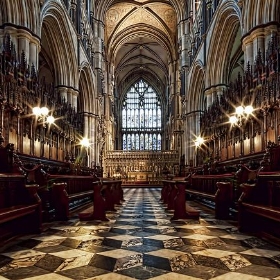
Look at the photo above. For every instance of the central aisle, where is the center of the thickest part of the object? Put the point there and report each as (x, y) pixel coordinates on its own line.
(140, 242)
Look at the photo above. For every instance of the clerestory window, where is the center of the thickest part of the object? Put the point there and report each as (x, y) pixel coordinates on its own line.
(141, 118)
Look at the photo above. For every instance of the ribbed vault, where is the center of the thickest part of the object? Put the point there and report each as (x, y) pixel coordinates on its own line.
(140, 37)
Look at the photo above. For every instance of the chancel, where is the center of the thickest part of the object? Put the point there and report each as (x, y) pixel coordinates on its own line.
(139, 139)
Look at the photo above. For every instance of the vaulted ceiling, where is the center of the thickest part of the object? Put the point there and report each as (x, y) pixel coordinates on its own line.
(140, 38)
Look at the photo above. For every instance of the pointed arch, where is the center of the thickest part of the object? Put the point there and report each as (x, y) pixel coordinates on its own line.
(87, 93)
(195, 97)
(22, 13)
(259, 13)
(141, 118)
(57, 35)
(225, 28)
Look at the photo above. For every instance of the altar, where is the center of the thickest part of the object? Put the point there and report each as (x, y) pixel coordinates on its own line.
(141, 176)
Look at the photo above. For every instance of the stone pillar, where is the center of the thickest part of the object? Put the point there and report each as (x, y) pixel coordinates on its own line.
(257, 40)
(34, 49)
(63, 93)
(93, 137)
(247, 46)
(185, 44)
(86, 126)
(269, 32)
(75, 94)
(25, 41)
(23, 46)
(218, 91)
(209, 98)
(69, 95)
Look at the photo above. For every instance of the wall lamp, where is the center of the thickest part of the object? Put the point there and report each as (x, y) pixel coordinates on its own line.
(241, 113)
(85, 142)
(198, 141)
(43, 113)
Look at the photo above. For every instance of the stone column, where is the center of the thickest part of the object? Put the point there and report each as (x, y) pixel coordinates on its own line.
(75, 94)
(247, 46)
(93, 137)
(69, 95)
(256, 41)
(209, 98)
(63, 93)
(218, 91)
(25, 41)
(34, 49)
(269, 32)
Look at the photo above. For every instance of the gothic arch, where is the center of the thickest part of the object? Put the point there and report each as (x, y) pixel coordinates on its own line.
(144, 31)
(102, 7)
(148, 76)
(154, 35)
(87, 93)
(224, 31)
(56, 37)
(21, 12)
(272, 9)
(196, 87)
(259, 12)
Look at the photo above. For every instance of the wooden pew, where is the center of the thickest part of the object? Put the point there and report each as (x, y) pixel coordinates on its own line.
(20, 207)
(217, 189)
(7, 158)
(182, 210)
(67, 200)
(64, 189)
(107, 194)
(259, 206)
(98, 209)
(164, 191)
(108, 191)
(62, 195)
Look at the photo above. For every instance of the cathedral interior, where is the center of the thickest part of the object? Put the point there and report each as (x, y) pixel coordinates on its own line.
(114, 114)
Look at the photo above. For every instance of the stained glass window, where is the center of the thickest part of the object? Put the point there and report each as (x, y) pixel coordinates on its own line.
(141, 118)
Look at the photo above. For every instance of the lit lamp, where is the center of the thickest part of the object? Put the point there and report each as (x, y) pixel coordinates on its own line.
(198, 141)
(43, 112)
(85, 143)
(240, 114)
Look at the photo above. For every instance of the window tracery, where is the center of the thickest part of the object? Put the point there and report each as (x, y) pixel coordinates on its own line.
(141, 118)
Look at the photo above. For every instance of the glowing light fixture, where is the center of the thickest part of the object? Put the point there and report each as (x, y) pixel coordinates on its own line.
(241, 114)
(85, 142)
(43, 113)
(199, 141)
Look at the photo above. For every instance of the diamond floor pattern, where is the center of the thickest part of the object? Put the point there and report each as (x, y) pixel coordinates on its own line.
(140, 242)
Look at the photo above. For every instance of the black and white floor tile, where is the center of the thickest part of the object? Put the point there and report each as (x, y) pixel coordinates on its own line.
(140, 242)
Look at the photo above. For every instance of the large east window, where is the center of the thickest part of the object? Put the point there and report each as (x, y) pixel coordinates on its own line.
(141, 118)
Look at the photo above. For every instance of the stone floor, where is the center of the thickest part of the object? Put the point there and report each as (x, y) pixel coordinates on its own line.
(140, 242)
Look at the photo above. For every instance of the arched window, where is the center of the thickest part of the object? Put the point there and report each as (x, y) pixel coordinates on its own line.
(141, 118)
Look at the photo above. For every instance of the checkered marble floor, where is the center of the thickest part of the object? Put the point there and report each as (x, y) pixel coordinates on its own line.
(140, 242)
